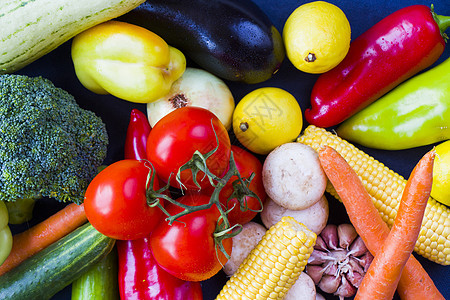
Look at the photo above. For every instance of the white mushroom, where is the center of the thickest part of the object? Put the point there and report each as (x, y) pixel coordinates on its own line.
(243, 244)
(314, 217)
(293, 176)
(303, 289)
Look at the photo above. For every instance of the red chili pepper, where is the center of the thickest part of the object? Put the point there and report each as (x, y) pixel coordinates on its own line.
(136, 138)
(399, 46)
(140, 278)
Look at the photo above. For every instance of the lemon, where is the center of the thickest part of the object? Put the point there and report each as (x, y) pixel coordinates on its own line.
(441, 174)
(317, 37)
(266, 118)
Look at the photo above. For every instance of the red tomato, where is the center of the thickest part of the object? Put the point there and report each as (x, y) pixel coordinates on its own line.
(186, 249)
(246, 164)
(175, 138)
(115, 201)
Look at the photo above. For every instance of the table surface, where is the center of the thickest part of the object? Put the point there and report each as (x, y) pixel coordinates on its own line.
(57, 66)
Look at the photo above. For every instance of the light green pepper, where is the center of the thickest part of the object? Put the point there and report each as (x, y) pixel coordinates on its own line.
(21, 210)
(99, 282)
(5, 233)
(416, 113)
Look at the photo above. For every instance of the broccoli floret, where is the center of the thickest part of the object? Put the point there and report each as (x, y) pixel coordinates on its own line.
(49, 146)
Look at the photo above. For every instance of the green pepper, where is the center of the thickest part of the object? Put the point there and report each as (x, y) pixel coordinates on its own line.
(5, 233)
(416, 113)
(99, 282)
(21, 210)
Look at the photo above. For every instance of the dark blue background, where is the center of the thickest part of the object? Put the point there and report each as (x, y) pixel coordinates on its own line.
(57, 66)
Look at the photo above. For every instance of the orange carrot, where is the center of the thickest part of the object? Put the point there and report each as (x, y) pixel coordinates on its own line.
(38, 237)
(383, 275)
(414, 283)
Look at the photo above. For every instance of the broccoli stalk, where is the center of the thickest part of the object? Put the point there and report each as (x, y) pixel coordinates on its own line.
(49, 146)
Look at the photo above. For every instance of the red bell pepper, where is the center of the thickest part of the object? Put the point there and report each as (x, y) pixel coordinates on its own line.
(399, 46)
(140, 277)
(136, 138)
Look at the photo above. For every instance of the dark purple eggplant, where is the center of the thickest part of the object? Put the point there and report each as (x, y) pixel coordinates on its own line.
(233, 39)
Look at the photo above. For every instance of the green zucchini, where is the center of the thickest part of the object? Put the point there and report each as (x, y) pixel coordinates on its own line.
(33, 28)
(55, 267)
(99, 282)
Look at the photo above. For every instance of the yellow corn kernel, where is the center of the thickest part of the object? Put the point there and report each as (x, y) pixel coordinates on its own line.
(291, 245)
(386, 188)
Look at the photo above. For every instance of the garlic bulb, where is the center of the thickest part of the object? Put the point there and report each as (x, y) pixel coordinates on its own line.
(339, 261)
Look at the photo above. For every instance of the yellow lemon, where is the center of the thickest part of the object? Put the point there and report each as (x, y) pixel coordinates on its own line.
(266, 118)
(441, 174)
(317, 37)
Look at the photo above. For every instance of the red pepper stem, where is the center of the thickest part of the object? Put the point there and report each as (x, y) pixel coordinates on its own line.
(442, 21)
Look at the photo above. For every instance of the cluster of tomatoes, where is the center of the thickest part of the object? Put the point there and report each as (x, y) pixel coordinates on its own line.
(127, 200)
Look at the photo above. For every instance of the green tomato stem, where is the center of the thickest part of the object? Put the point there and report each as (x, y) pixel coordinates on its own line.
(198, 163)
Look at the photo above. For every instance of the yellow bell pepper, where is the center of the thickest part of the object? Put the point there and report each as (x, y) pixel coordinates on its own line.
(126, 61)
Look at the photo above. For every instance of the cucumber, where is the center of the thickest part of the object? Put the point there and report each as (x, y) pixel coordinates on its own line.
(99, 282)
(232, 39)
(32, 28)
(55, 267)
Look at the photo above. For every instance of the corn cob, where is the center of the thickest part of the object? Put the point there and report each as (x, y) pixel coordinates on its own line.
(274, 265)
(386, 188)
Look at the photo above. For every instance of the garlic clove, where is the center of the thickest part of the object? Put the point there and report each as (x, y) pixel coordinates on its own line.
(315, 272)
(320, 244)
(358, 248)
(345, 289)
(330, 236)
(346, 234)
(366, 260)
(355, 266)
(355, 278)
(329, 283)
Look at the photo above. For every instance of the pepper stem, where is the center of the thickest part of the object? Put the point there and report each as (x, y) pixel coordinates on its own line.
(442, 21)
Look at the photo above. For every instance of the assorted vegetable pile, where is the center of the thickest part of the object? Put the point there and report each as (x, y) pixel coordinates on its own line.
(204, 185)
